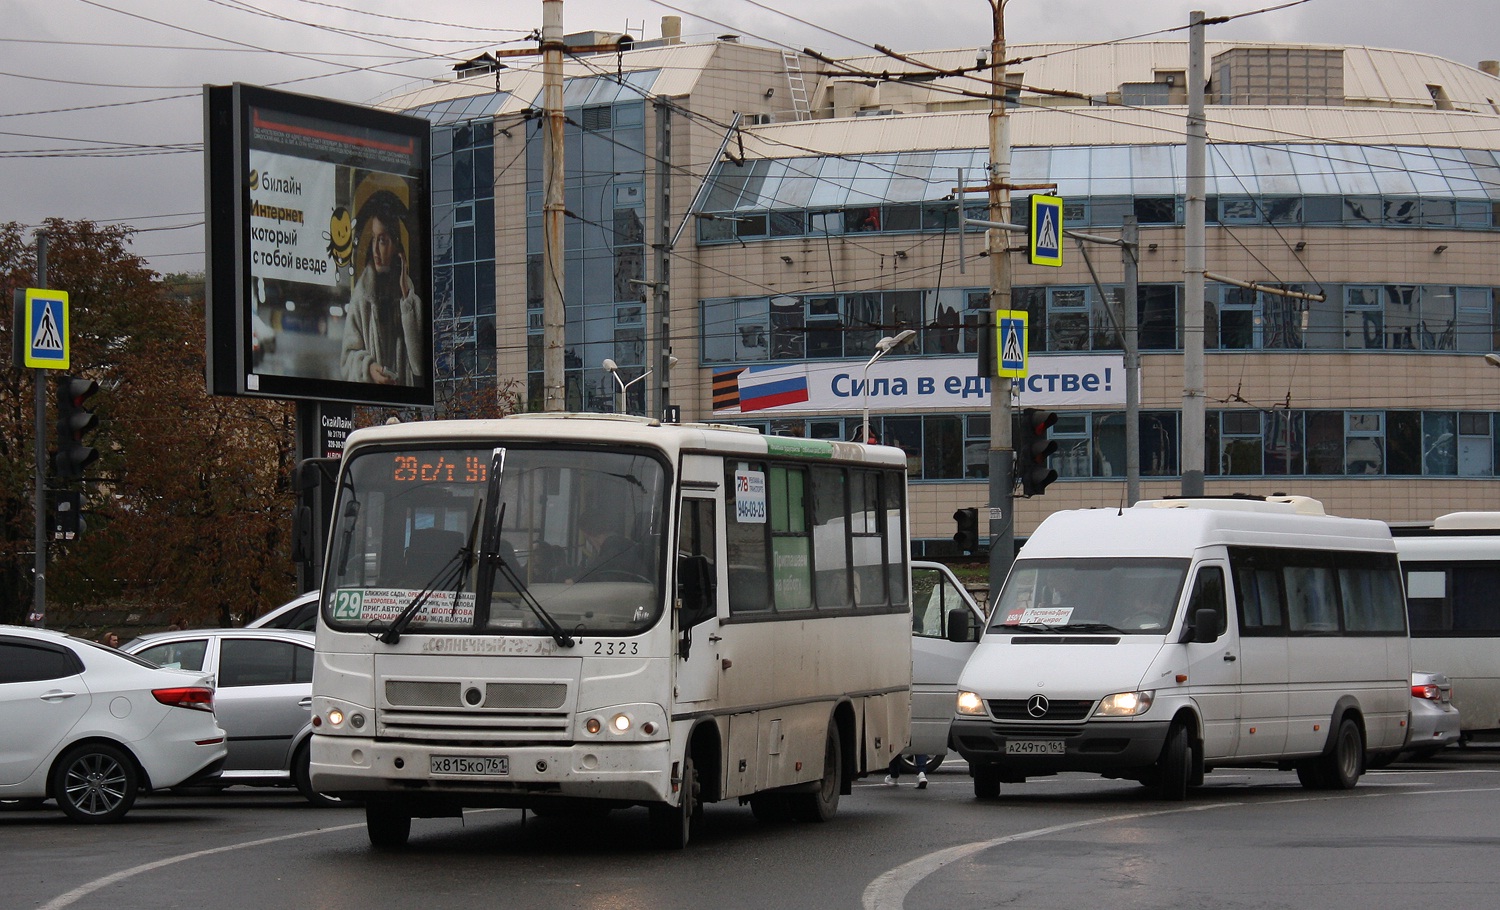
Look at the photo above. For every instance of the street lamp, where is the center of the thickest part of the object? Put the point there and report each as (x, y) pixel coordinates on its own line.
(882, 347)
(614, 370)
(1492, 359)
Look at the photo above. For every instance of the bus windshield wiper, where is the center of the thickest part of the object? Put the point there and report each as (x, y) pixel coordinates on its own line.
(1087, 627)
(493, 559)
(452, 574)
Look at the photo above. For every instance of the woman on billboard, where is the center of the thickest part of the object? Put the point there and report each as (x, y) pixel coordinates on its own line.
(383, 331)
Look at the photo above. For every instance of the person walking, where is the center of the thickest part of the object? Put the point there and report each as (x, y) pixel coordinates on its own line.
(894, 771)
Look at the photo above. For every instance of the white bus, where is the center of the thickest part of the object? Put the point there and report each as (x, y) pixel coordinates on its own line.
(1159, 642)
(1453, 597)
(571, 613)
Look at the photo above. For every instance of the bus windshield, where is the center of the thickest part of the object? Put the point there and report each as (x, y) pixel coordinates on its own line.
(1131, 596)
(561, 539)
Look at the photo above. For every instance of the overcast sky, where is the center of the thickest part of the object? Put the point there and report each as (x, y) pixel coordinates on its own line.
(101, 107)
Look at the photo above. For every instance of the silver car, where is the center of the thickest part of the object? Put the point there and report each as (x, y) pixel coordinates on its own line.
(262, 696)
(301, 612)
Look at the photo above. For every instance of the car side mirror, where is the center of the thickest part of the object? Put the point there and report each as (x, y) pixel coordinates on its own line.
(961, 626)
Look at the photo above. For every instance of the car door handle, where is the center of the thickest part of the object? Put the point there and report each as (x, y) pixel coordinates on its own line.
(305, 703)
(57, 695)
(1229, 658)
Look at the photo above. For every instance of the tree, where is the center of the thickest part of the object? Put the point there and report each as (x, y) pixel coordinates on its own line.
(188, 508)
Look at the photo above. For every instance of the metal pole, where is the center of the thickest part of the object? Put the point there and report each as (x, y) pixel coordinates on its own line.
(661, 288)
(39, 576)
(1194, 419)
(1001, 504)
(554, 383)
(1129, 250)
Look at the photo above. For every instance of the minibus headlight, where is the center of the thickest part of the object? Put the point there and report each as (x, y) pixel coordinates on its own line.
(1125, 704)
(970, 703)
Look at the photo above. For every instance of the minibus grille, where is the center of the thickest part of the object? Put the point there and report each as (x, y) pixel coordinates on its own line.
(1058, 709)
(502, 712)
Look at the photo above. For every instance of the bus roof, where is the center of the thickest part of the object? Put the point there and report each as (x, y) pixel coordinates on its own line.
(1175, 528)
(622, 429)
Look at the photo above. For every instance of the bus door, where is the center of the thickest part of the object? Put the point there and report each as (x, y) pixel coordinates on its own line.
(696, 604)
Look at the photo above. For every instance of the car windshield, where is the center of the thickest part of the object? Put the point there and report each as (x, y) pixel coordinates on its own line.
(564, 541)
(1130, 596)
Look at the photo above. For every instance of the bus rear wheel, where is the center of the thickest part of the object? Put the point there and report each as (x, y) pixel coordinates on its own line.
(1340, 767)
(821, 804)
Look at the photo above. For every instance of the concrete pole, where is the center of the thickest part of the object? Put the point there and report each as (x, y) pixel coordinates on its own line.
(661, 288)
(1193, 416)
(1002, 526)
(554, 383)
(39, 576)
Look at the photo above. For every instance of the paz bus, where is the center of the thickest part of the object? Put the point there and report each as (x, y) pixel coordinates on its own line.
(570, 614)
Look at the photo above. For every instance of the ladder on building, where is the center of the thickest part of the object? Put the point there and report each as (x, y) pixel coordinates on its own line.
(796, 86)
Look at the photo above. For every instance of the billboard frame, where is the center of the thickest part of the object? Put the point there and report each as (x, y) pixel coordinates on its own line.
(341, 142)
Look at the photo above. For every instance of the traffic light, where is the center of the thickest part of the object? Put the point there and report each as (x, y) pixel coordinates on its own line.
(74, 421)
(1033, 448)
(967, 536)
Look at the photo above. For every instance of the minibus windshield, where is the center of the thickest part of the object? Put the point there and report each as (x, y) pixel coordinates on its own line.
(1125, 596)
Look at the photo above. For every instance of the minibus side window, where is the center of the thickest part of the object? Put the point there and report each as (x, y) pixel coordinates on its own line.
(1208, 594)
(1257, 581)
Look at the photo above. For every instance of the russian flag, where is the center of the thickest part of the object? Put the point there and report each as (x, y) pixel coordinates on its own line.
(770, 387)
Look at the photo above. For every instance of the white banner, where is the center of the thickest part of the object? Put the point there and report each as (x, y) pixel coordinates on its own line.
(291, 201)
(937, 383)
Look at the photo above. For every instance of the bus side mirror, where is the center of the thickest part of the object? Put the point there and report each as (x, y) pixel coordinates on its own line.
(1205, 629)
(961, 626)
(696, 590)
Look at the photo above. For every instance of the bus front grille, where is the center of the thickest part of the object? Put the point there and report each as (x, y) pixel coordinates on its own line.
(492, 696)
(492, 726)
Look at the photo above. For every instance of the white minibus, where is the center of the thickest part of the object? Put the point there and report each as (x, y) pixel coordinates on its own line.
(1453, 599)
(1162, 641)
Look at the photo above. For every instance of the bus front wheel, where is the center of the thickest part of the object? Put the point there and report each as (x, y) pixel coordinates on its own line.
(673, 826)
(388, 825)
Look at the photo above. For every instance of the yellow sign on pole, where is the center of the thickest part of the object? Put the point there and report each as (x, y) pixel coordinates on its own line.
(45, 322)
(1010, 343)
(1046, 230)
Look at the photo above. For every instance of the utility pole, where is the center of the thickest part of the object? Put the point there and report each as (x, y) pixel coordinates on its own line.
(1194, 419)
(39, 583)
(661, 287)
(554, 381)
(1002, 519)
(1130, 248)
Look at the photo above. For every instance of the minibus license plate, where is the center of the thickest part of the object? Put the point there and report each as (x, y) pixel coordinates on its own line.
(464, 764)
(1034, 747)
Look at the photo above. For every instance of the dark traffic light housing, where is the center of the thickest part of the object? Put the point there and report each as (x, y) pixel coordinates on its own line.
(1033, 448)
(967, 535)
(74, 421)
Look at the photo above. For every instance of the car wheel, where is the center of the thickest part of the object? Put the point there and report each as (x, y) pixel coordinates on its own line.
(1175, 767)
(95, 783)
(821, 804)
(388, 825)
(302, 777)
(673, 826)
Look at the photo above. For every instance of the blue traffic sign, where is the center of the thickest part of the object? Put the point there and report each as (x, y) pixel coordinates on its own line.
(1045, 247)
(46, 322)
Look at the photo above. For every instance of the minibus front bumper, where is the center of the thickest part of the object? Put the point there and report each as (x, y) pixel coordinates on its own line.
(1114, 748)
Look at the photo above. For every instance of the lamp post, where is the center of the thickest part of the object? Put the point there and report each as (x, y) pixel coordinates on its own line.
(614, 370)
(882, 347)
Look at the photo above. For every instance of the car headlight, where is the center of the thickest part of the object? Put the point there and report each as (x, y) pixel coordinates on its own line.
(1125, 704)
(970, 703)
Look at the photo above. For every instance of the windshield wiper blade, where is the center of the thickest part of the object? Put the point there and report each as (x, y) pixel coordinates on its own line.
(1088, 627)
(493, 558)
(459, 563)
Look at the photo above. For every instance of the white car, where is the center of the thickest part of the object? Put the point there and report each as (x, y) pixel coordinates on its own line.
(301, 612)
(94, 728)
(262, 693)
(939, 648)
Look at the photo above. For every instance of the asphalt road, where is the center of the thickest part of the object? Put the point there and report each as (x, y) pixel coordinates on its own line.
(1416, 835)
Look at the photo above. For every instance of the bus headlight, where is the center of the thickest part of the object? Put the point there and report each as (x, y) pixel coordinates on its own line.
(1125, 704)
(335, 717)
(969, 703)
(620, 723)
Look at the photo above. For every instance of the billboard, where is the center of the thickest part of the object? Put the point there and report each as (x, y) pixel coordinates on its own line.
(319, 249)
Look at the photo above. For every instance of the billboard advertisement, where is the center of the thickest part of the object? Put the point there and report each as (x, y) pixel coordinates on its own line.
(319, 249)
(926, 383)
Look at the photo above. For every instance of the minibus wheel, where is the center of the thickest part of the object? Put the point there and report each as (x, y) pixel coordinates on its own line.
(986, 781)
(1338, 768)
(388, 825)
(821, 804)
(1175, 767)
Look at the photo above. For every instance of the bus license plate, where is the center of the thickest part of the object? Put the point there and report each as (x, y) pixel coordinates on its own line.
(464, 764)
(1035, 747)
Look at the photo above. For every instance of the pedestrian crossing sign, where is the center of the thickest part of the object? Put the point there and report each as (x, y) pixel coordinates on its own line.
(1010, 343)
(45, 321)
(1046, 230)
